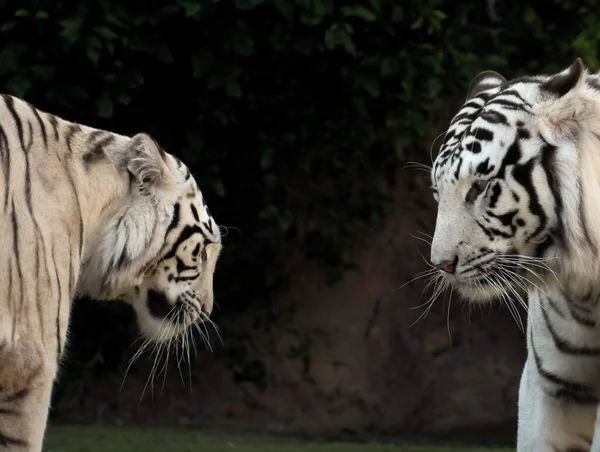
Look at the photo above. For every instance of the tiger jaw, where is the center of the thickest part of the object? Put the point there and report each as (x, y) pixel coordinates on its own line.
(161, 319)
(487, 286)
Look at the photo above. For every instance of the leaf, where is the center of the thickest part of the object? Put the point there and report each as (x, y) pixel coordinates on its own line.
(270, 180)
(370, 84)
(417, 23)
(339, 35)
(18, 86)
(397, 14)
(106, 33)
(124, 99)
(266, 158)
(400, 144)
(201, 63)
(359, 11)
(242, 43)
(375, 4)
(22, 13)
(248, 4)
(195, 139)
(285, 8)
(285, 220)
(164, 55)
(233, 88)
(71, 28)
(218, 187)
(389, 66)
(8, 61)
(41, 15)
(214, 81)
(269, 212)
(192, 9)
(7, 26)
(104, 107)
(93, 55)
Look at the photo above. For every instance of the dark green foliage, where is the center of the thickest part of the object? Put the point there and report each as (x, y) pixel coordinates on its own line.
(290, 112)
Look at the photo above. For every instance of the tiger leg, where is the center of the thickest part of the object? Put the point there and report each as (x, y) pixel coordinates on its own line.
(549, 424)
(26, 379)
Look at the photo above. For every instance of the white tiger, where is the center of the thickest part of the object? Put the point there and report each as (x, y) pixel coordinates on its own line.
(517, 182)
(88, 212)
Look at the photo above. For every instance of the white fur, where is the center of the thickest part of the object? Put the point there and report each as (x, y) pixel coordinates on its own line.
(570, 123)
(87, 210)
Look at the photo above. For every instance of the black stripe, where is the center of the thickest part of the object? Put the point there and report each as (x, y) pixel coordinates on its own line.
(17, 257)
(11, 297)
(59, 300)
(174, 219)
(76, 193)
(555, 308)
(38, 232)
(482, 134)
(97, 150)
(208, 225)
(183, 278)
(10, 104)
(565, 347)
(72, 128)
(30, 136)
(549, 165)
(53, 120)
(523, 174)
(196, 250)
(495, 191)
(7, 440)
(515, 93)
(506, 219)
(484, 167)
(582, 220)
(508, 104)
(71, 269)
(6, 163)
(185, 234)
(40, 123)
(572, 449)
(17, 396)
(195, 213)
(493, 117)
(574, 392)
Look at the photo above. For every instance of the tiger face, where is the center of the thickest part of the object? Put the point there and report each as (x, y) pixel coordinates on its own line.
(506, 179)
(157, 245)
(177, 289)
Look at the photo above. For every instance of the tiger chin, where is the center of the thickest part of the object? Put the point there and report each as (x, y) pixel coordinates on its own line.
(87, 212)
(517, 185)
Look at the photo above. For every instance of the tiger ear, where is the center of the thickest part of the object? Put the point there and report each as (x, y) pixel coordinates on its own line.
(564, 112)
(483, 81)
(144, 160)
(566, 81)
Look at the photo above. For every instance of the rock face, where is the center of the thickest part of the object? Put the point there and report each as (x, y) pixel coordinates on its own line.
(456, 370)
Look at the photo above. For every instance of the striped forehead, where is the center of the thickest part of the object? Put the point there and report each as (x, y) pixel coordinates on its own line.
(191, 210)
(480, 134)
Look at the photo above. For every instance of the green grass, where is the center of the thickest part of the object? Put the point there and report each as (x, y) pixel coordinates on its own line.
(154, 439)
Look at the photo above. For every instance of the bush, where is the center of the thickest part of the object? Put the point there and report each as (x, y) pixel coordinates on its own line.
(289, 112)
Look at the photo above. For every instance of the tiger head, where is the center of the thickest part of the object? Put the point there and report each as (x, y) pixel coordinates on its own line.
(157, 245)
(515, 181)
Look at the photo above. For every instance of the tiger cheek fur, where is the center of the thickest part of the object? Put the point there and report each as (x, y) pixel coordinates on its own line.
(517, 181)
(88, 212)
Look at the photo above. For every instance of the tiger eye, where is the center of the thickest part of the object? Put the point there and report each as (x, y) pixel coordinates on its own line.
(476, 189)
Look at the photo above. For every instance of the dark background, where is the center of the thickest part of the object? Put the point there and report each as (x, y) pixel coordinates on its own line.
(296, 117)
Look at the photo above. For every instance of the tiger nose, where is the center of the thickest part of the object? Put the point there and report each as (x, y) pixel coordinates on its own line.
(448, 265)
